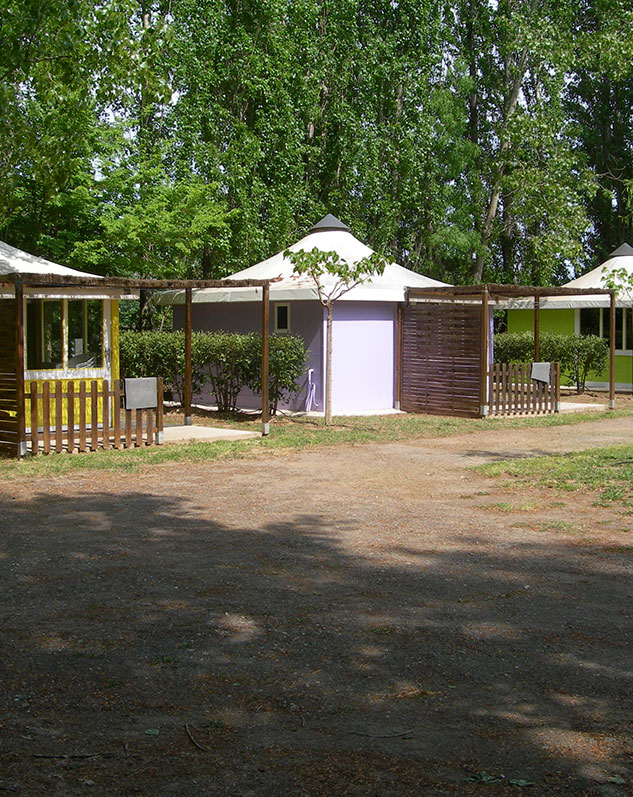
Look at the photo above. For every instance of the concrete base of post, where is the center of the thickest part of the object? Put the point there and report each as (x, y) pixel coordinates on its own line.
(188, 420)
(265, 429)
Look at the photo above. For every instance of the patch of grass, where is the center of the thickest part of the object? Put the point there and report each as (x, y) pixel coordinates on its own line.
(608, 471)
(557, 525)
(286, 434)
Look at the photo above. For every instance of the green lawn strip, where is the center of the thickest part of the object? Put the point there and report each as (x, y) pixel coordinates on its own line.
(607, 471)
(287, 434)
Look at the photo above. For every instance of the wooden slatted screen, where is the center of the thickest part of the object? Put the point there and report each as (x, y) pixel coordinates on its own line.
(9, 395)
(441, 363)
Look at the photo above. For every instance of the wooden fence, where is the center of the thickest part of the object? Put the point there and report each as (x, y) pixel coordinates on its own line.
(512, 391)
(86, 418)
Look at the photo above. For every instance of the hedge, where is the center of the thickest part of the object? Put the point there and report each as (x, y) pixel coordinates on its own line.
(226, 361)
(578, 355)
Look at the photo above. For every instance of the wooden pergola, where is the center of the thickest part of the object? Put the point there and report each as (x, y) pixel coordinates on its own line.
(13, 335)
(488, 294)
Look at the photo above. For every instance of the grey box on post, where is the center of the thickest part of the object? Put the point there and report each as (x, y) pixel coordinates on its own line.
(141, 394)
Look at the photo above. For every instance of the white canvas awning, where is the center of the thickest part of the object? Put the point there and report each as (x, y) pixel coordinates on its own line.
(329, 235)
(14, 263)
(621, 258)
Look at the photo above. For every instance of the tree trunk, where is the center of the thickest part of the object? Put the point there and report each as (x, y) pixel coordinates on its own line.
(328, 367)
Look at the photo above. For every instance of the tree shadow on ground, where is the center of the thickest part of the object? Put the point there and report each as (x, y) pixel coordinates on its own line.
(298, 666)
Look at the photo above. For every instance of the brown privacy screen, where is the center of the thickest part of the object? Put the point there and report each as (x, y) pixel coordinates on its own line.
(441, 360)
(8, 378)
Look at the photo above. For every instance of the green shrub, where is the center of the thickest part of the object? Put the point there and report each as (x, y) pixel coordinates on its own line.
(578, 355)
(226, 361)
(286, 366)
(160, 354)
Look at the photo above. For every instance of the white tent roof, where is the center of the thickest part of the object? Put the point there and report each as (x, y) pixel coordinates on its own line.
(622, 257)
(329, 235)
(15, 261)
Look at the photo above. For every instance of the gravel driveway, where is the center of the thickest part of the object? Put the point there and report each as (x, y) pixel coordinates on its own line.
(368, 620)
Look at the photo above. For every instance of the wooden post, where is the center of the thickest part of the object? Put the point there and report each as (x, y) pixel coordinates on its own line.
(35, 423)
(188, 377)
(19, 368)
(483, 380)
(612, 352)
(398, 391)
(159, 411)
(537, 329)
(265, 353)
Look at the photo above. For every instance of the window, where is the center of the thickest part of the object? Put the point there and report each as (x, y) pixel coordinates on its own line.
(85, 333)
(64, 334)
(282, 318)
(595, 321)
(43, 333)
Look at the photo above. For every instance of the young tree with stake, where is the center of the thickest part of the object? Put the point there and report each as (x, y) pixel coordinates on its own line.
(333, 278)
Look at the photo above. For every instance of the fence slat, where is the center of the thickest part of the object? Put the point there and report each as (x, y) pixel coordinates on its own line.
(106, 413)
(128, 428)
(94, 416)
(70, 446)
(46, 418)
(116, 401)
(59, 443)
(138, 432)
(159, 411)
(35, 423)
(150, 427)
(82, 416)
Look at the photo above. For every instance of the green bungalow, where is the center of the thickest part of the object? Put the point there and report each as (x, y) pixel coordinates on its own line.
(587, 315)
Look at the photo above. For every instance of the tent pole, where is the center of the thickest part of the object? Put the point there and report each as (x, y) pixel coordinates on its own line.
(483, 354)
(265, 352)
(19, 367)
(188, 377)
(537, 329)
(612, 352)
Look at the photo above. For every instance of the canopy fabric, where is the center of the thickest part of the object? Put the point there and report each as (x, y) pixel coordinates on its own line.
(390, 286)
(620, 258)
(15, 261)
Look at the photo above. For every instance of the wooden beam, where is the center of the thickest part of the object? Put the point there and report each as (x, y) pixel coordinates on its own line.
(483, 376)
(127, 283)
(497, 291)
(19, 368)
(265, 359)
(612, 352)
(188, 370)
(537, 329)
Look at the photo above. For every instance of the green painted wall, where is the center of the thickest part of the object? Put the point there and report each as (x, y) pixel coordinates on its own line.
(563, 321)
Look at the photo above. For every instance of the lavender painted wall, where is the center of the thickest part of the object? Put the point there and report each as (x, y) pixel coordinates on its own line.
(305, 320)
(363, 372)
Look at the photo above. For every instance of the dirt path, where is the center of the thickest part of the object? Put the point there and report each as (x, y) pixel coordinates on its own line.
(365, 620)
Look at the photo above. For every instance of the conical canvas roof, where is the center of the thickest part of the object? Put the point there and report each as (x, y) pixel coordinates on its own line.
(622, 257)
(328, 235)
(15, 261)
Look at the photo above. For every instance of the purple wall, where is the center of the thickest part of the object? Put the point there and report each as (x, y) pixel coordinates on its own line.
(363, 368)
(363, 372)
(305, 320)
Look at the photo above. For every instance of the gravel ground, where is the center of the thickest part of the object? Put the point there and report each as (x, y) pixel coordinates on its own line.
(368, 620)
